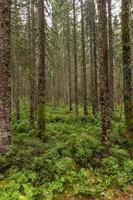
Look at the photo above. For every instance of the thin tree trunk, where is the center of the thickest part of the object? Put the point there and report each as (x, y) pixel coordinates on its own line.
(16, 63)
(32, 60)
(17, 87)
(94, 38)
(111, 63)
(83, 60)
(69, 61)
(41, 78)
(75, 59)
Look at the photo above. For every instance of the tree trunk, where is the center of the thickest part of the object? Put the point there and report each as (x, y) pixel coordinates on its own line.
(94, 38)
(69, 60)
(127, 65)
(41, 75)
(16, 63)
(32, 60)
(93, 53)
(75, 59)
(111, 64)
(5, 90)
(83, 60)
(104, 81)
(17, 83)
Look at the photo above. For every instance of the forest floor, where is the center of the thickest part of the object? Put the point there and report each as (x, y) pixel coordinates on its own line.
(122, 196)
(70, 163)
(117, 195)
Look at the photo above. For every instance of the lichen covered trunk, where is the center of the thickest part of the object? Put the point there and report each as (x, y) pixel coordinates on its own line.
(104, 80)
(126, 41)
(5, 93)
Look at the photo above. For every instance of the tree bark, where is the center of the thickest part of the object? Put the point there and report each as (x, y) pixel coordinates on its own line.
(83, 60)
(95, 66)
(75, 59)
(69, 60)
(104, 80)
(32, 60)
(41, 75)
(16, 62)
(126, 41)
(111, 63)
(93, 54)
(5, 81)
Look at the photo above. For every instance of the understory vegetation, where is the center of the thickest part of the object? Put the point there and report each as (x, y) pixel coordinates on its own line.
(71, 161)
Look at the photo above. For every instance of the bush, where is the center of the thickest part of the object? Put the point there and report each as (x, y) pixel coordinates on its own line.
(84, 148)
(119, 154)
(22, 126)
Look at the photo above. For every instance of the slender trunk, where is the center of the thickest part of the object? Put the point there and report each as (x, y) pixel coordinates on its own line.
(75, 59)
(83, 61)
(94, 38)
(16, 63)
(17, 87)
(69, 61)
(32, 61)
(111, 64)
(41, 75)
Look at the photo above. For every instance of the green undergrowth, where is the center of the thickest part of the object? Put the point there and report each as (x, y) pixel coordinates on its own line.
(71, 161)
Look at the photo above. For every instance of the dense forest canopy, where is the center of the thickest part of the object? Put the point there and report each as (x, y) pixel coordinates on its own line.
(66, 99)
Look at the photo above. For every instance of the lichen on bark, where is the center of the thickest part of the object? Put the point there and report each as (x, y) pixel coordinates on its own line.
(5, 85)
